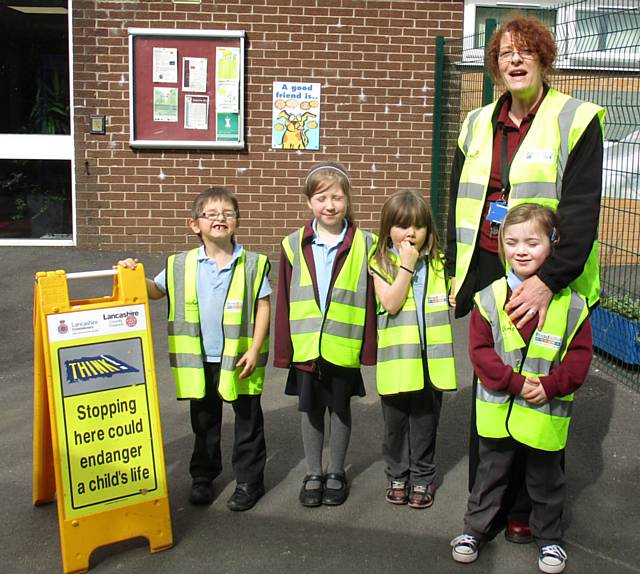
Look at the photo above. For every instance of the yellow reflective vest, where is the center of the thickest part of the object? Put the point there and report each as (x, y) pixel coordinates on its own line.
(336, 335)
(499, 414)
(399, 366)
(185, 344)
(535, 174)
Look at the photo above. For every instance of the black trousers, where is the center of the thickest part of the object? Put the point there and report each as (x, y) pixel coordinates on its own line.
(249, 448)
(545, 482)
(410, 428)
(516, 504)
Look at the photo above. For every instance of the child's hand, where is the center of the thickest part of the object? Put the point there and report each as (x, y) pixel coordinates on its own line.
(127, 263)
(533, 392)
(408, 254)
(249, 360)
(452, 290)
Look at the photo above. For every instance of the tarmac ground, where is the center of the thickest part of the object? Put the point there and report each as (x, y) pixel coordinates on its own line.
(365, 535)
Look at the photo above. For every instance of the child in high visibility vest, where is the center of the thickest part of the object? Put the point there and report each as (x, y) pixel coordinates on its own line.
(527, 377)
(218, 344)
(325, 326)
(415, 346)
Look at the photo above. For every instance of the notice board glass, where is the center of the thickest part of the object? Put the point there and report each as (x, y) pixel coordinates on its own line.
(186, 88)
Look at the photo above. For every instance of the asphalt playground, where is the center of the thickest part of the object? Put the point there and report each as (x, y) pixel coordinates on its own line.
(365, 535)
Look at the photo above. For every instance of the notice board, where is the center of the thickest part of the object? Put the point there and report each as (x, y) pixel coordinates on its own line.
(186, 88)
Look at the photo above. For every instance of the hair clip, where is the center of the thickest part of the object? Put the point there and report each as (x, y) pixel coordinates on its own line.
(333, 167)
(554, 234)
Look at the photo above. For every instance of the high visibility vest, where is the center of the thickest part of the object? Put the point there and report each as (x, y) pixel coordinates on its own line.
(399, 366)
(535, 175)
(499, 414)
(336, 335)
(185, 343)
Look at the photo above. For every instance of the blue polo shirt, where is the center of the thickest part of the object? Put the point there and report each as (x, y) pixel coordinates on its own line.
(212, 288)
(323, 257)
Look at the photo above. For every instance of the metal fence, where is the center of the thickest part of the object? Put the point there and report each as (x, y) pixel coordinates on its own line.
(598, 60)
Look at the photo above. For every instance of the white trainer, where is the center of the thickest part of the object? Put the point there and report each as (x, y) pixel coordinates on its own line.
(552, 559)
(464, 548)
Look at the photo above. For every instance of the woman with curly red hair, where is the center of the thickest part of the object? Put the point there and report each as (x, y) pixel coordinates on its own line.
(532, 145)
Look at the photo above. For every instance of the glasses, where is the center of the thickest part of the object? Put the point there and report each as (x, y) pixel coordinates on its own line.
(507, 55)
(213, 215)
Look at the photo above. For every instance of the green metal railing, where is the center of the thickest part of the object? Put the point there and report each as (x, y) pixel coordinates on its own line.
(599, 61)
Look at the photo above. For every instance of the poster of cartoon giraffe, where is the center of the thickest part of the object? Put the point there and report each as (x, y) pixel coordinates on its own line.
(296, 116)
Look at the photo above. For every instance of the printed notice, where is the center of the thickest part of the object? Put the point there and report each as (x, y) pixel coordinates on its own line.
(227, 64)
(194, 74)
(196, 112)
(165, 65)
(108, 425)
(165, 104)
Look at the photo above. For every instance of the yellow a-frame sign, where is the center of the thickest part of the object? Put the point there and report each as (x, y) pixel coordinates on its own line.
(97, 441)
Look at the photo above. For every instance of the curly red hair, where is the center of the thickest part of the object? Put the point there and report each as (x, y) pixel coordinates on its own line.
(526, 32)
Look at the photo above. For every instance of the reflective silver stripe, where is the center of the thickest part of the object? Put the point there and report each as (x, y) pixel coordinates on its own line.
(465, 235)
(229, 363)
(189, 329)
(437, 318)
(488, 396)
(488, 302)
(576, 306)
(539, 366)
(179, 263)
(401, 319)
(396, 352)
(300, 293)
(344, 330)
(565, 121)
(185, 360)
(468, 190)
(555, 408)
(345, 296)
(534, 190)
(472, 120)
(302, 326)
(440, 351)
(297, 292)
(237, 331)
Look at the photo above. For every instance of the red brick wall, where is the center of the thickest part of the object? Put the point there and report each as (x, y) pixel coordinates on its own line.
(374, 60)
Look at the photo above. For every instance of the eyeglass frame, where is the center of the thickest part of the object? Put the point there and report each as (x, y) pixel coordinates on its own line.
(524, 53)
(215, 215)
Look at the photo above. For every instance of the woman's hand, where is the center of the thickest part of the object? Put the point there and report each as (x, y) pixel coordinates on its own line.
(532, 297)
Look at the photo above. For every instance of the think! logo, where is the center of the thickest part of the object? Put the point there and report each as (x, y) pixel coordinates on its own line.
(87, 368)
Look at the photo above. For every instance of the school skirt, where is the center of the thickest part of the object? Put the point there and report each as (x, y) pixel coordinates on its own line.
(327, 386)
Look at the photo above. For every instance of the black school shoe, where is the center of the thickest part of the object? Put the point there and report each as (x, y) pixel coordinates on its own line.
(201, 493)
(311, 497)
(335, 496)
(245, 496)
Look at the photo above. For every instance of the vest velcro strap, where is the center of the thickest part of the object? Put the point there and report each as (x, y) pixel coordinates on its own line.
(465, 235)
(345, 330)
(184, 360)
(189, 329)
(488, 396)
(440, 351)
(554, 408)
(532, 190)
(302, 326)
(469, 190)
(437, 318)
(397, 352)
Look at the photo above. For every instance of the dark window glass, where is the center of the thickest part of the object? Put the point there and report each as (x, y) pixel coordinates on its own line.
(34, 67)
(500, 14)
(35, 199)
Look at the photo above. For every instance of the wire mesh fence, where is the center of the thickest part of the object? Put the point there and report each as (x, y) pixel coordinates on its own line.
(598, 44)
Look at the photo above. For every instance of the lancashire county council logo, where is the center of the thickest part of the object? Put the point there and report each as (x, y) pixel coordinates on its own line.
(131, 321)
(63, 328)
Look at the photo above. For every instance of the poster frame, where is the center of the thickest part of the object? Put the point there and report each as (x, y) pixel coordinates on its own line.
(165, 35)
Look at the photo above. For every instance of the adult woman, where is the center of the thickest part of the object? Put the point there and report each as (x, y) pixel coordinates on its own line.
(532, 145)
